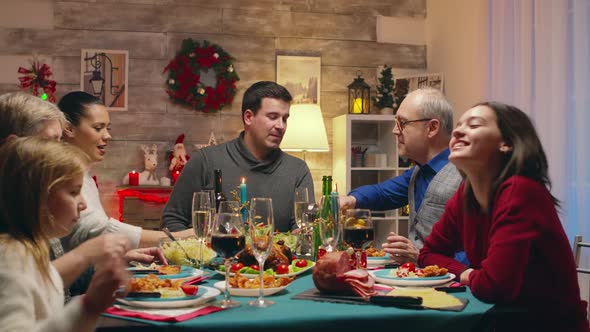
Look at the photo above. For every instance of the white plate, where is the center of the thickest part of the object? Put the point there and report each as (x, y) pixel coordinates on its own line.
(249, 292)
(204, 295)
(247, 275)
(382, 276)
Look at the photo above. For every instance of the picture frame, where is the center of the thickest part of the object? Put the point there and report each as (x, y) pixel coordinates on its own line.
(105, 74)
(301, 75)
(407, 84)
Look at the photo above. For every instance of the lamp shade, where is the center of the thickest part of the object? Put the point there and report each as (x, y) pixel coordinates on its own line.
(305, 130)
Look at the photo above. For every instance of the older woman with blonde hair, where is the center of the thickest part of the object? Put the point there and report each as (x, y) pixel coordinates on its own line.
(22, 114)
(40, 198)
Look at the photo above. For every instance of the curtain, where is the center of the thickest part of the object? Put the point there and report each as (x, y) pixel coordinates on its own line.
(539, 60)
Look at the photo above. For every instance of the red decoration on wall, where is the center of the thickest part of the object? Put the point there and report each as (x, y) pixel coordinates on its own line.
(161, 197)
(37, 76)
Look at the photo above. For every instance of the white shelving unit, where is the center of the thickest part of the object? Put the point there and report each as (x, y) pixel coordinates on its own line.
(367, 130)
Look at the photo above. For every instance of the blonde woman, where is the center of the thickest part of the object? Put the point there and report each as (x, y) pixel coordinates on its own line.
(40, 198)
(22, 114)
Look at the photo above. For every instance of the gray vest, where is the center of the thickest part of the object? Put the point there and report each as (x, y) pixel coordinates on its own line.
(441, 188)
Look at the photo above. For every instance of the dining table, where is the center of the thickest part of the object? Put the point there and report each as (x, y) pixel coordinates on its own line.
(289, 314)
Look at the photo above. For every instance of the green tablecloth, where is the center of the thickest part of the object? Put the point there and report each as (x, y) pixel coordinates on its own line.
(290, 315)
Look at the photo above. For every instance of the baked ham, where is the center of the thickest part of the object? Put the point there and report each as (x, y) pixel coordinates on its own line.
(333, 274)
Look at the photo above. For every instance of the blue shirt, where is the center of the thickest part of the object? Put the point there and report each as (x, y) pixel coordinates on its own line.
(393, 193)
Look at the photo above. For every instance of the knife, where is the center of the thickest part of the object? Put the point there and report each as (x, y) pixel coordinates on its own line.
(144, 294)
(397, 301)
(144, 271)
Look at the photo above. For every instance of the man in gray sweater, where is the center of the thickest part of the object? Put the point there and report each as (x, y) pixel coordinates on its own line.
(255, 155)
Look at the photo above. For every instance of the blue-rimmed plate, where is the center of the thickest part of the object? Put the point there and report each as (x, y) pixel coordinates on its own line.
(185, 272)
(376, 261)
(203, 295)
(388, 277)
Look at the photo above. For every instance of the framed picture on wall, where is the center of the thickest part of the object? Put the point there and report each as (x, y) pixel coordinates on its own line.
(405, 85)
(104, 73)
(300, 74)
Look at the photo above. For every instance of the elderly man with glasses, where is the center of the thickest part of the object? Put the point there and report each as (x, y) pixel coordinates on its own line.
(424, 123)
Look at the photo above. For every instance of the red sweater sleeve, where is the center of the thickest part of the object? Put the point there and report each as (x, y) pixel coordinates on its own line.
(520, 206)
(446, 238)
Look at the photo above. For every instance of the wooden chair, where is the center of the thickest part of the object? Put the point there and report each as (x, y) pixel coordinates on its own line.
(578, 244)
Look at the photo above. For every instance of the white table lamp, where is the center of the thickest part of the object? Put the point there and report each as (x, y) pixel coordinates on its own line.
(305, 130)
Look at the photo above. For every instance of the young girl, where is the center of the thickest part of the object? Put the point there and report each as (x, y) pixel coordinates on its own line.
(40, 198)
(505, 218)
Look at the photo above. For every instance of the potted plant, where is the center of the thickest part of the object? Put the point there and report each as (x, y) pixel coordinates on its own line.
(385, 98)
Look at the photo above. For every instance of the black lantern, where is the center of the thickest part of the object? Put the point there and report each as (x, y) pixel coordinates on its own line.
(359, 96)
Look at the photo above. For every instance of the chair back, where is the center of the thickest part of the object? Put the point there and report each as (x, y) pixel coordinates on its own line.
(578, 245)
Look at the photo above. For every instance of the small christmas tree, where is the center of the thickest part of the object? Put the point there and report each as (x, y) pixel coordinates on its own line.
(385, 89)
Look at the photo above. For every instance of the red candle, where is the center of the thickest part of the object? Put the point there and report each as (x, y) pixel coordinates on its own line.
(133, 178)
(175, 176)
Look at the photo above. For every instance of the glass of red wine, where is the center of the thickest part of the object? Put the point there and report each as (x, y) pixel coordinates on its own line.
(358, 231)
(228, 239)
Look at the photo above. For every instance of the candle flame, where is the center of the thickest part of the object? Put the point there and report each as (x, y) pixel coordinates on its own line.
(335, 187)
(177, 172)
(243, 180)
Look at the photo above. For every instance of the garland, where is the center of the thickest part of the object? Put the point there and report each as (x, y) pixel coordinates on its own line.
(37, 76)
(184, 85)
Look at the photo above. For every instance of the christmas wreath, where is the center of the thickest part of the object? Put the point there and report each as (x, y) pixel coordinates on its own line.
(37, 76)
(184, 82)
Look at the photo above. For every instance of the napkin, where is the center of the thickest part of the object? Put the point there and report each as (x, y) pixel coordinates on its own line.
(162, 315)
(195, 280)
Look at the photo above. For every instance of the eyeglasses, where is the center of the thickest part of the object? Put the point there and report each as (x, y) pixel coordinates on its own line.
(401, 124)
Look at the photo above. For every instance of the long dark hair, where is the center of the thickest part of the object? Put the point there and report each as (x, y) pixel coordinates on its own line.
(527, 157)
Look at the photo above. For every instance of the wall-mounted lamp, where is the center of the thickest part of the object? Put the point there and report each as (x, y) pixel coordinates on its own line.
(97, 80)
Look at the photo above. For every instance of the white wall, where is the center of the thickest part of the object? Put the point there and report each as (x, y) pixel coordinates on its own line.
(456, 39)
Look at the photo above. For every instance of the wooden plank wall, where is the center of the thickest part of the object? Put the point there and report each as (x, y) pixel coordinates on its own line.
(342, 31)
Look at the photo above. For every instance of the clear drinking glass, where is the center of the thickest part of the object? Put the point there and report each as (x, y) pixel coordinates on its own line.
(229, 207)
(329, 222)
(211, 194)
(261, 232)
(201, 215)
(301, 199)
(358, 231)
(228, 239)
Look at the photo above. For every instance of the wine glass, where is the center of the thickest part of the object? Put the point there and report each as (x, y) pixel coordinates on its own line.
(228, 239)
(358, 231)
(261, 232)
(211, 194)
(201, 214)
(229, 207)
(301, 200)
(329, 221)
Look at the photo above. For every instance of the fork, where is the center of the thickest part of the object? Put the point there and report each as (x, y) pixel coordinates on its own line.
(188, 258)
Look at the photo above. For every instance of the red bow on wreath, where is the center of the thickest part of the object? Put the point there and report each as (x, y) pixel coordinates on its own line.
(38, 77)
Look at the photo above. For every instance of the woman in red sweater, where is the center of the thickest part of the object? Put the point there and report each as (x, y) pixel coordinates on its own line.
(505, 218)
